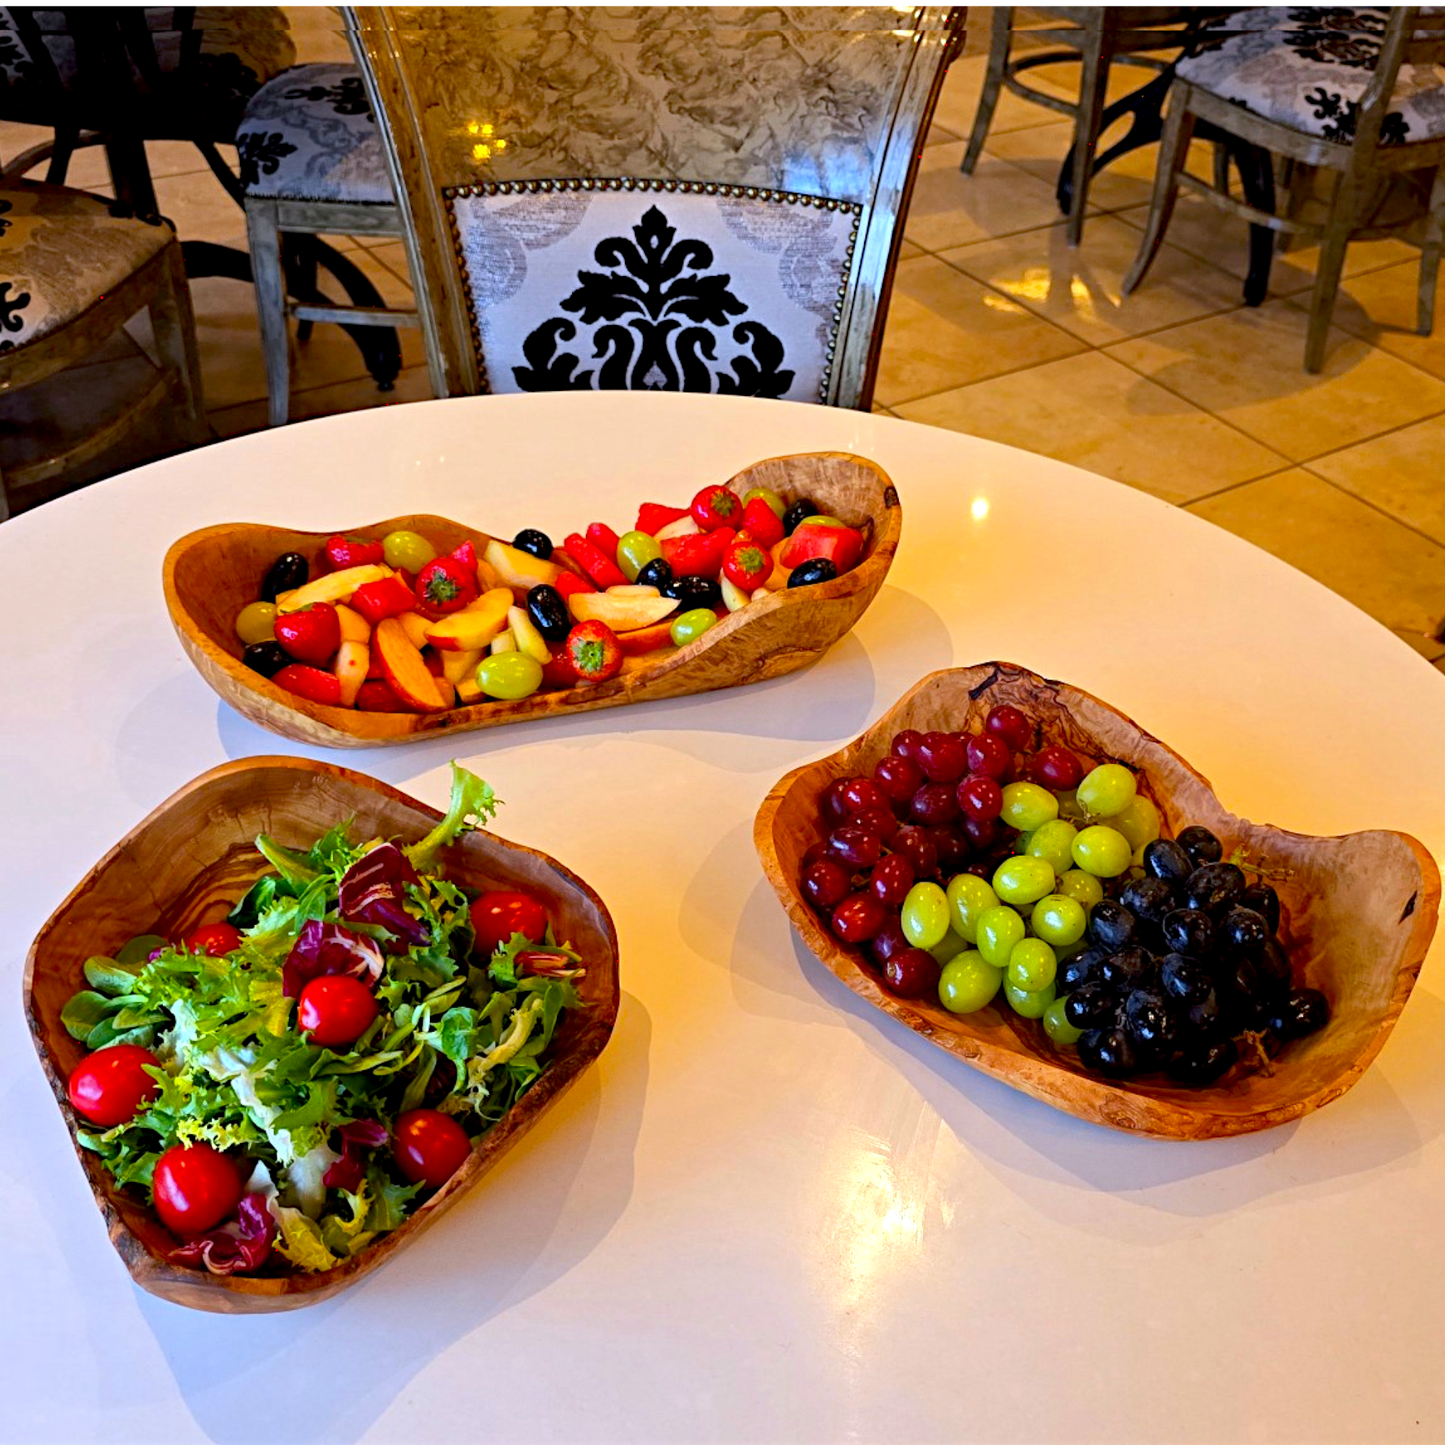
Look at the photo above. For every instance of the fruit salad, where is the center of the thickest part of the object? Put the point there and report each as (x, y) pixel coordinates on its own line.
(288, 1085)
(993, 866)
(395, 625)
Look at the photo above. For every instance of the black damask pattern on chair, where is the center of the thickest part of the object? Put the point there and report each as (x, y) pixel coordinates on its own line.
(260, 153)
(662, 311)
(345, 97)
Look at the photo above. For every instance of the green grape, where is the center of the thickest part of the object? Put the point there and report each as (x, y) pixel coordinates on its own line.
(1070, 808)
(1139, 822)
(1083, 888)
(968, 896)
(1107, 791)
(1068, 950)
(1021, 844)
(1028, 1003)
(1057, 1027)
(1023, 880)
(1000, 929)
(691, 625)
(1031, 966)
(407, 549)
(256, 622)
(925, 915)
(948, 948)
(509, 675)
(1104, 852)
(634, 551)
(967, 983)
(1052, 841)
(1059, 920)
(1027, 806)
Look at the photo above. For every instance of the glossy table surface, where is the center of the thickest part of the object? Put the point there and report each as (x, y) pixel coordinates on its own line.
(768, 1213)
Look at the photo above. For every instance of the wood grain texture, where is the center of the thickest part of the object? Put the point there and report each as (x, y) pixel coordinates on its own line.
(211, 574)
(185, 865)
(1360, 910)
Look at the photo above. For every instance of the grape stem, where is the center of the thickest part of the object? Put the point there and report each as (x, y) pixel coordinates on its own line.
(1254, 1041)
(1241, 859)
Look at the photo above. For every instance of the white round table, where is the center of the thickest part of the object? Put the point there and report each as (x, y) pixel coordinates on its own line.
(768, 1213)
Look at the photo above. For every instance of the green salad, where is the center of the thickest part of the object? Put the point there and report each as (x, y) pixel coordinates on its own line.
(289, 1085)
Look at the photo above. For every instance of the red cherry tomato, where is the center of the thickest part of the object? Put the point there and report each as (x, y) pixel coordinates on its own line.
(110, 1085)
(335, 1009)
(499, 914)
(429, 1147)
(217, 939)
(446, 585)
(311, 634)
(195, 1188)
(310, 682)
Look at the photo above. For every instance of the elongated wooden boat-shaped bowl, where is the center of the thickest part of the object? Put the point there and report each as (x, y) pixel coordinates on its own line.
(211, 574)
(1360, 910)
(186, 865)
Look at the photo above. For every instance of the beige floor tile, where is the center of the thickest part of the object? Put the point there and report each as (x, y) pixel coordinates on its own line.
(318, 34)
(1079, 289)
(1097, 414)
(952, 209)
(1380, 308)
(1430, 648)
(945, 330)
(1394, 574)
(15, 138)
(907, 250)
(1247, 366)
(939, 136)
(412, 385)
(398, 290)
(959, 100)
(1399, 472)
(201, 209)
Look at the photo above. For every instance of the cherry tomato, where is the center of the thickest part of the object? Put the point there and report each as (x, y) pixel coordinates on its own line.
(310, 634)
(498, 914)
(217, 939)
(335, 1009)
(109, 1086)
(195, 1188)
(429, 1147)
(310, 682)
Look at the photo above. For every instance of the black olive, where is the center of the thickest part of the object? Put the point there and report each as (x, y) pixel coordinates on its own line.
(1201, 845)
(288, 572)
(815, 569)
(693, 592)
(539, 544)
(657, 574)
(795, 514)
(548, 612)
(267, 658)
(1164, 858)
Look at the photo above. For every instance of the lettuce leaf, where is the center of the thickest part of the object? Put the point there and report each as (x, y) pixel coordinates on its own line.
(471, 798)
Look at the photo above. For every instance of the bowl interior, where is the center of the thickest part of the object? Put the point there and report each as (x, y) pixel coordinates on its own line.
(1360, 912)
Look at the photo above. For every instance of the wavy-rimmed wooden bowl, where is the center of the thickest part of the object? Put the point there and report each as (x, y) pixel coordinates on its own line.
(1361, 912)
(211, 574)
(185, 865)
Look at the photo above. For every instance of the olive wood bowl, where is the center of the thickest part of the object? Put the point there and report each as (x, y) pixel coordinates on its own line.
(211, 574)
(1359, 910)
(185, 865)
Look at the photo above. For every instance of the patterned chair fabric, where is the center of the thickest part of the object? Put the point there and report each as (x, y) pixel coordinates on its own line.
(1308, 67)
(61, 251)
(309, 135)
(653, 286)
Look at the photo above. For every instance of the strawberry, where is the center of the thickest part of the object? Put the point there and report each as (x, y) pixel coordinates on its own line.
(313, 684)
(592, 651)
(376, 601)
(603, 538)
(446, 585)
(376, 695)
(697, 555)
(310, 634)
(559, 673)
(747, 564)
(762, 523)
(595, 564)
(569, 582)
(652, 517)
(715, 507)
(343, 552)
(466, 554)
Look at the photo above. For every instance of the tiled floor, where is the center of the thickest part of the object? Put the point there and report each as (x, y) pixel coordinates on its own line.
(999, 330)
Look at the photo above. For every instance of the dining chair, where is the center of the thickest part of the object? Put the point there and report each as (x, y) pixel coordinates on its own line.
(1359, 92)
(667, 198)
(75, 274)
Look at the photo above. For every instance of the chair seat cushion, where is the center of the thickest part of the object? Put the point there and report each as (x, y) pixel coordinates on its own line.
(61, 251)
(309, 135)
(1308, 67)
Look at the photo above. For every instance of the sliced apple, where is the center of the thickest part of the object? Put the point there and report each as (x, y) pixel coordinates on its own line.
(334, 587)
(621, 614)
(517, 568)
(448, 691)
(353, 662)
(504, 642)
(459, 665)
(528, 639)
(474, 626)
(487, 576)
(683, 527)
(403, 668)
(416, 627)
(354, 627)
(645, 639)
(777, 579)
(633, 589)
(733, 596)
(469, 690)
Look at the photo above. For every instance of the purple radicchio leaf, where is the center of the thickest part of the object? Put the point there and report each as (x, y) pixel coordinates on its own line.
(349, 1170)
(329, 948)
(374, 891)
(240, 1246)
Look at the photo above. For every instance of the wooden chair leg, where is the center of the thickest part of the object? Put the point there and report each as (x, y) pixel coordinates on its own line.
(264, 236)
(998, 48)
(1173, 149)
(174, 326)
(1343, 210)
(4, 501)
(1430, 255)
(1087, 121)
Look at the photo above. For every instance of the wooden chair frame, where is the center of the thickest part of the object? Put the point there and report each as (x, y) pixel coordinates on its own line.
(159, 286)
(375, 34)
(1410, 38)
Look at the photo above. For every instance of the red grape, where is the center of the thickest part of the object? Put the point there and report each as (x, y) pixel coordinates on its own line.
(889, 939)
(935, 803)
(861, 793)
(915, 845)
(881, 821)
(833, 804)
(825, 884)
(981, 870)
(891, 880)
(987, 754)
(1009, 726)
(905, 744)
(982, 832)
(913, 973)
(941, 757)
(858, 918)
(1058, 768)
(856, 846)
(953, 847)
(980, 798)
(899, 777)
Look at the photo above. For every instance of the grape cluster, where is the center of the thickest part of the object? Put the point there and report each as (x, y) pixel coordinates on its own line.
(969, 867)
